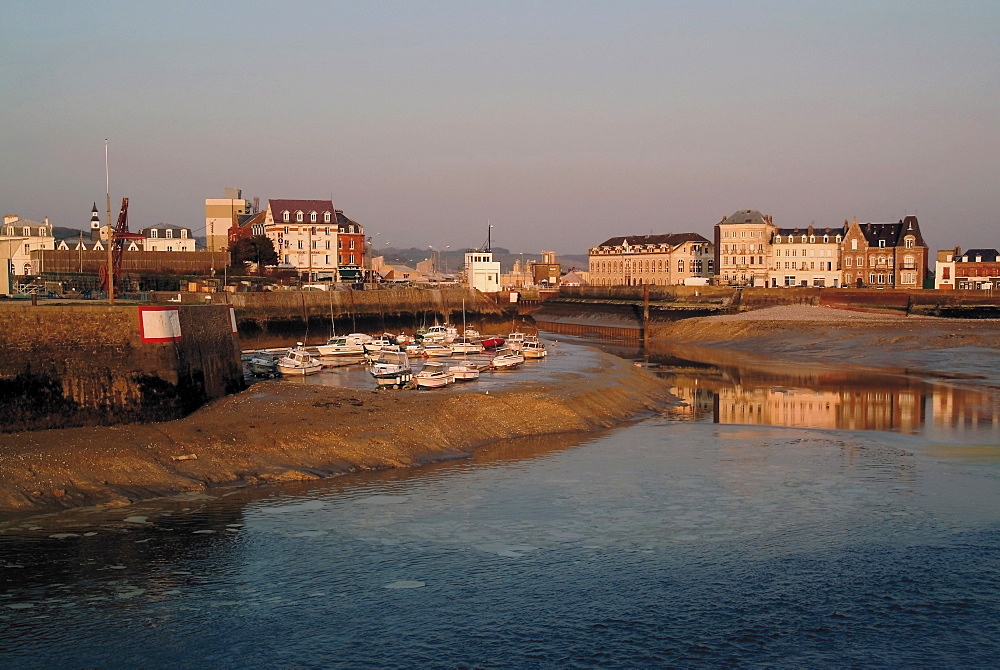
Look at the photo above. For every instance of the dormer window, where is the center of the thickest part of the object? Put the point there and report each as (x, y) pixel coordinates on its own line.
(350, 228)
(184, 233)
(854, 245)
(838, 239)
(298, 217)
(26, 231)
(777, 239)
(153, 233)
(812, 238)
(826, 238)
(284, 217)
(170, 234)
(881, 244)
(909, 242)
(326, 217)
(312, 217)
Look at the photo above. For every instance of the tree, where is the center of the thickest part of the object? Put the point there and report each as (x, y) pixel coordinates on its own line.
(256, 249)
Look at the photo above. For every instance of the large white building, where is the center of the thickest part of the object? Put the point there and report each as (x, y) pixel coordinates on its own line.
(482, 272)
(18, 238)
(662, 260)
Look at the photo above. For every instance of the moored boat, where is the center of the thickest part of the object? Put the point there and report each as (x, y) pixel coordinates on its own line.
(345, 345)
(492, 341)
(533, 348)
(465, 345)
(464, 371)
(391, 368)
(298, 361)
(433, 350)
(506, 359)
(432, 376)
(263, 363)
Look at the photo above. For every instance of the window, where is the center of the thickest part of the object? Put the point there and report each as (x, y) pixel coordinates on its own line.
(777, 239)
(170, 234)
(328, 244)
(881, 244)
(298, 216)
(170, 248)
(854, 245)
(352, 244)
(326, 231)
(908, 242)
(286, 228)
(312, 219)
(26, 231)
(153, 233)
(314, 244)
(184, 233)
(680, 265)
(300, 244)
(352, 262)
(848, 261)
(871, 278)
(826, 238)
(284, 217)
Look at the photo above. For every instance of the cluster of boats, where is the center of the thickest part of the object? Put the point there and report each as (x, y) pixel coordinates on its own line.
(389, 356)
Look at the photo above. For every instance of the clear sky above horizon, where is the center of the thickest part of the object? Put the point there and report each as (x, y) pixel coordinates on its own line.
(560, 123)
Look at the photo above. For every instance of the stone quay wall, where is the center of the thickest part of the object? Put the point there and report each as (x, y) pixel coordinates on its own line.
(264, 319)
(80, 365)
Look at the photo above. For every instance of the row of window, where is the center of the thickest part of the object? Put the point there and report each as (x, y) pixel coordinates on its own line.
(326, 231)
(26, 231)
(299, 217)
(812, 266)
(646, 266)
(286, 244)
(168, 233)
(810, 238)
(326, 260)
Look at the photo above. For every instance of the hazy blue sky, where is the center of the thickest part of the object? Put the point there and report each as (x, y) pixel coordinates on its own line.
(561, 123)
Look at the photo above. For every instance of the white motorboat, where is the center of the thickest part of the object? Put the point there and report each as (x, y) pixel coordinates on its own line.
(298, 361)
(391, 368)
(382, 343)
(532, 348)
(437, 335)
(432, 350)
(514, 340)
(464, 371)
(506, 359)
(465, 345)
(433, 376)
(345, 345)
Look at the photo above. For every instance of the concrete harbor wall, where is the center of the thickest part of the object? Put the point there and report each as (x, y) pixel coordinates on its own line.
(79, 365)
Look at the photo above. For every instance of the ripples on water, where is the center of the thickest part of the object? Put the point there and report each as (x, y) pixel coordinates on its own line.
(663, 543)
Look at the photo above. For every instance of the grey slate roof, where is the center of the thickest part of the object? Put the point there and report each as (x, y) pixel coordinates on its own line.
(672, 239)
(745, 216)
(892, 233)
(988, 255)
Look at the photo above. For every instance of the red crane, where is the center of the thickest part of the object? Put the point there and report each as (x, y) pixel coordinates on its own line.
(119, 236)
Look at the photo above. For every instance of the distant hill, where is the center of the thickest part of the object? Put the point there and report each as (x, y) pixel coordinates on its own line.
(453, 260)
(64, 233)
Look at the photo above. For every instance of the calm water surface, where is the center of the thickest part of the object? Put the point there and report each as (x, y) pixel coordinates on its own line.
(737, 529)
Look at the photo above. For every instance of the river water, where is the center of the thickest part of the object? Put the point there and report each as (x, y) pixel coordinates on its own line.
(786, 517)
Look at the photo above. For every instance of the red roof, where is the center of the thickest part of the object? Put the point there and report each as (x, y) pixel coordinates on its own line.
(305, 206)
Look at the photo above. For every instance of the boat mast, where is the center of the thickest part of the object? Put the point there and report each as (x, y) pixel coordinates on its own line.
(111, 268)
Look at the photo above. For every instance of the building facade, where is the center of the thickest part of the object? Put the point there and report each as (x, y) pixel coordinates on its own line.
(165, 237)
(974, 270)
(663, 260)
(352, 249)
(743, 249)
(304, 233)
(807, 257)
(482, 272)
(18, 238)
(884, 255)
(220, 214)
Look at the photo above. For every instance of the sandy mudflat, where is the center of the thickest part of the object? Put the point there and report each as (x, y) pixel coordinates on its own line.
(278, 431)
(957, 348)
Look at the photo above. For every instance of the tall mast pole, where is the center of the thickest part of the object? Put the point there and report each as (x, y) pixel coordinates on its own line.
(111, 234)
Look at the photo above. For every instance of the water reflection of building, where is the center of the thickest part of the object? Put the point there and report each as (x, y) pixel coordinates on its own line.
(890, 409)
(958, 412)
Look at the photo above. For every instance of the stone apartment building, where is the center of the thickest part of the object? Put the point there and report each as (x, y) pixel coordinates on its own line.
(664, 260)
(743, 251)
(219, 216)
(884, 255)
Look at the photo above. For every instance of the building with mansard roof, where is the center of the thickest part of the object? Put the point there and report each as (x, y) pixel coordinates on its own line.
(19, 238)
(664, 260)
(304, 233)
(743, 250)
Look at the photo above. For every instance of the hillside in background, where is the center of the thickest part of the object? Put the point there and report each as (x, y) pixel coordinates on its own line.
(452, 261)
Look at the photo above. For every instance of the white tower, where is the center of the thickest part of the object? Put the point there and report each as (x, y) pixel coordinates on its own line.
(95, 225)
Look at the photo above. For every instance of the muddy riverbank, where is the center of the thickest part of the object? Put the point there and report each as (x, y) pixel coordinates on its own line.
(958, 349)
(286, 432)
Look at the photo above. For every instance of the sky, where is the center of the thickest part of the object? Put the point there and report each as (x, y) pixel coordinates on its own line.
(561, 124)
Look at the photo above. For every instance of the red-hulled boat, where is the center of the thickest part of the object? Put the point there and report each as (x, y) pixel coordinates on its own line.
(492, 342)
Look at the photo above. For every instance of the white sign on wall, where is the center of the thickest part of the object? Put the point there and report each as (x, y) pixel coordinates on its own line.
(159, 324)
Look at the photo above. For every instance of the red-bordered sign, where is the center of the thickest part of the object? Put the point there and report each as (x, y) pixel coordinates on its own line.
(159, 324)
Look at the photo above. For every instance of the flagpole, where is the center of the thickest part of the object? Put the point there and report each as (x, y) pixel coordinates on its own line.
(111, 234)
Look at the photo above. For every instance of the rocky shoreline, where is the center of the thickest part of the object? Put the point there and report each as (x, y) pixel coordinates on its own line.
(278, 432)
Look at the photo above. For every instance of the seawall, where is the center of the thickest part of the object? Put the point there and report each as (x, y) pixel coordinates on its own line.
(80, 365)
